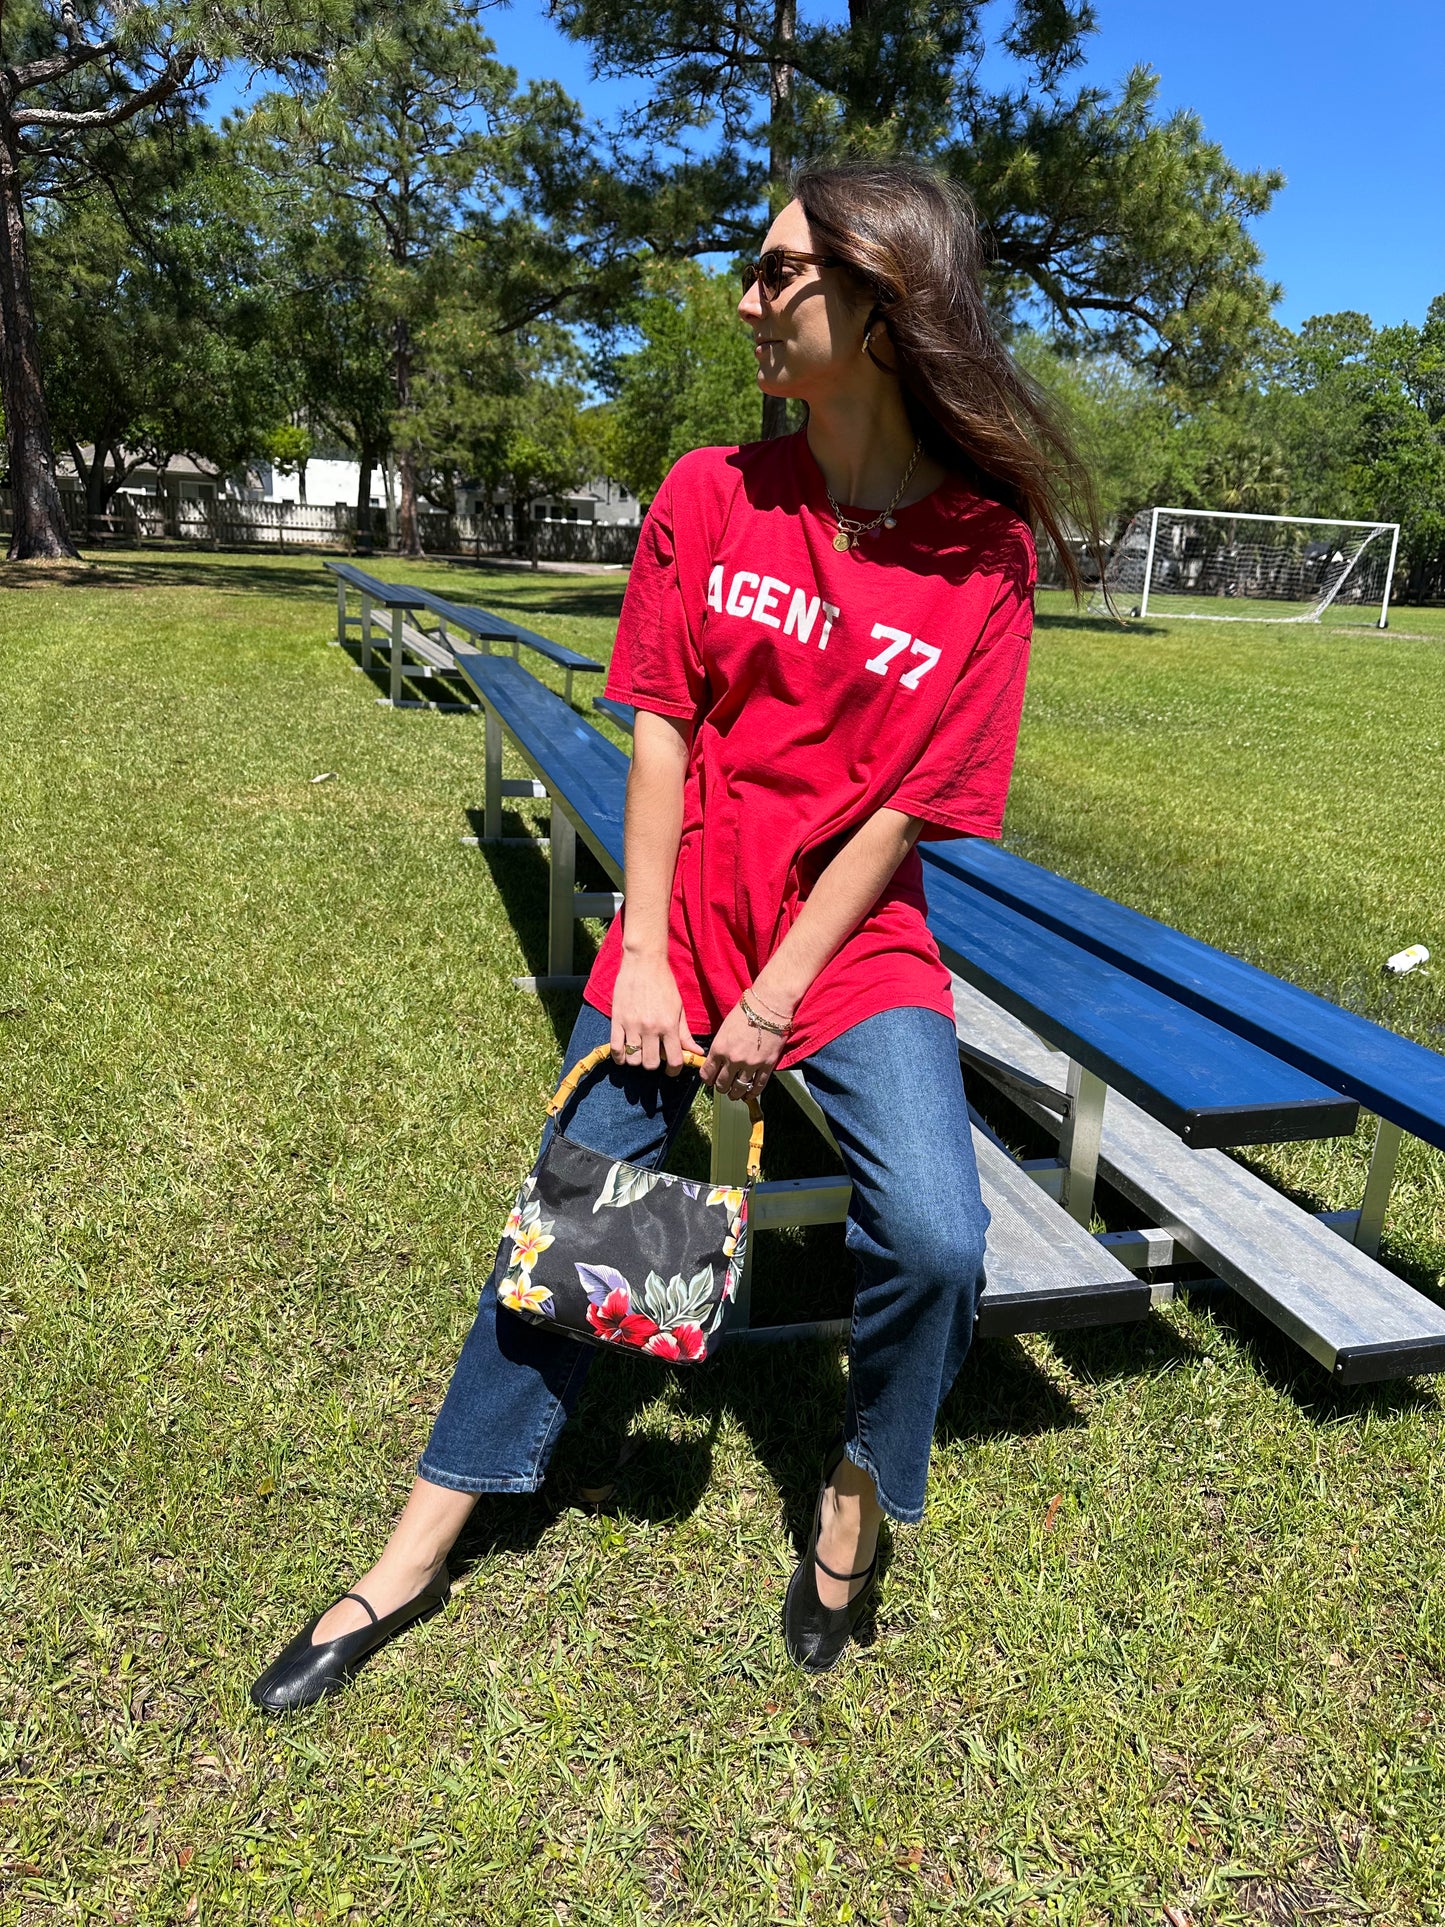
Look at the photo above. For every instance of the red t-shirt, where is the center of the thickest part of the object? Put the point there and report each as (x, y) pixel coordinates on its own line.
(821, 687)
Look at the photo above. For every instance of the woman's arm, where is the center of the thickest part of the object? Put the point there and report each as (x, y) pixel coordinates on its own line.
(843, 895)
(646, 1005)
(838, 902)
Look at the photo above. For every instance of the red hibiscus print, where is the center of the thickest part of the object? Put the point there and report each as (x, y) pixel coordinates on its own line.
(684, 1342)
(613, 1317)
(606, 1316)
(690, 1340)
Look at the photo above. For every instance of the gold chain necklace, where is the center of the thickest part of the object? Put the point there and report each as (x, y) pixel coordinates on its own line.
(849, 528)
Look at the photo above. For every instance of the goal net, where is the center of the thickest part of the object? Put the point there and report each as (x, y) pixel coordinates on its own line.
(1217, 566)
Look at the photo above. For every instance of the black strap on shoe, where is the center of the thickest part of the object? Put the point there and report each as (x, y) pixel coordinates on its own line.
(361, 1602)
(843, 1578)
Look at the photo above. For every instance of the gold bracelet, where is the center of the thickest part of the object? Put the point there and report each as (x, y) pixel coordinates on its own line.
(752, 991)
(761, 1023)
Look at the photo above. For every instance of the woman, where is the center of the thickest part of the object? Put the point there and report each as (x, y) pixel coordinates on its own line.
(825, 637)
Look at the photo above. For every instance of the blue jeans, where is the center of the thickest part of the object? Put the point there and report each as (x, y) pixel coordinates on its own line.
(892, 1092)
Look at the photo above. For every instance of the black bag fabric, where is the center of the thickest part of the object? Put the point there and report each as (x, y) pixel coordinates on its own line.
(614, 1254)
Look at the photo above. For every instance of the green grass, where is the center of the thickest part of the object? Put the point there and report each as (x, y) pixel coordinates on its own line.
(1172, 1633)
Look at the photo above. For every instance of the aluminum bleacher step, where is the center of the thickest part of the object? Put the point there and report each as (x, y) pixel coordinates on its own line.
(1353, 1316)
(1045, 1273)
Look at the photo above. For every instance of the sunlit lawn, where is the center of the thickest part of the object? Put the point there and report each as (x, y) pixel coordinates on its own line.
(1172, 1634)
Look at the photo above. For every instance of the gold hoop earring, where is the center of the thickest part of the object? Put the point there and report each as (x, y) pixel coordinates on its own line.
(866, 340)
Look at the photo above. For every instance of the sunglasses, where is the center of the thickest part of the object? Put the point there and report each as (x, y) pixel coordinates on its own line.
(769, 268)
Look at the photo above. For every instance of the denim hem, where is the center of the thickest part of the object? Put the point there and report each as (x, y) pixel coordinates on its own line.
(450, 1480)
(904, 1515)
(858, 1452)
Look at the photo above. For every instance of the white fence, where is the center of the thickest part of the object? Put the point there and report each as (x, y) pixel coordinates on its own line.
(229, 524)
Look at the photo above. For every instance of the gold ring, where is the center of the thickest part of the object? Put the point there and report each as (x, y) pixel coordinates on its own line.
(629, 1050)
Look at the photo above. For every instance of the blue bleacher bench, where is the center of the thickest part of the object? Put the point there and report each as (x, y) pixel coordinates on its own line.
(1399, 1081)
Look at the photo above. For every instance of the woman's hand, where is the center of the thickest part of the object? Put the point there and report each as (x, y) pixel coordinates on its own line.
(742, 1057)
(647, 1010)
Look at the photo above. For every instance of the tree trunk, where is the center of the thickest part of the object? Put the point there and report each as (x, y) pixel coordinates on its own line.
(408, 527)
(97, 494)
(40, 532)
(366, 467)
(92, 480)
(408, 532)
(780, 157)
(388, 483)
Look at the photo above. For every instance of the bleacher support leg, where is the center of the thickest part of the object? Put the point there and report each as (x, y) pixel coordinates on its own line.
(366, 632)
(562, 908)
(1377, 1188)
(1079, 1141)
(398, 616)
(492, 805)
(340, 609)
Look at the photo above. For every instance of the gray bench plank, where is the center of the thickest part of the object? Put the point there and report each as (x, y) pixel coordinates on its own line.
(1044, 1272)
(1352, 1315)
(427, 649)
(482, 625)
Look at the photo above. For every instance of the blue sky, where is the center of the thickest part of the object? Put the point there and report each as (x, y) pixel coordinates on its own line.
(1346, 100)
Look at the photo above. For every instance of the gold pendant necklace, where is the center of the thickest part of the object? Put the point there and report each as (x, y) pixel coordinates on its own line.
(849, 528)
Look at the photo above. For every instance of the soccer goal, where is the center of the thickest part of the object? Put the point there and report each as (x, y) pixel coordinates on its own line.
(1218, 566)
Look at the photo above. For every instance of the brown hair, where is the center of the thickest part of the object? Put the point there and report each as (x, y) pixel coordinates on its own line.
(910, 239)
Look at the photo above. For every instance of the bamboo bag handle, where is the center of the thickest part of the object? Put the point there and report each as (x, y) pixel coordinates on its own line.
(584, 1064)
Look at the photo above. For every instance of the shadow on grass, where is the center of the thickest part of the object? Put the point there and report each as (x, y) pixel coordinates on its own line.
(1106, 1354)
(587, 599)
(788, 1398)
(520, 874)
(299, 577)
(418, 691)
(1288, 1371)
(301, 573)
(1045, 619)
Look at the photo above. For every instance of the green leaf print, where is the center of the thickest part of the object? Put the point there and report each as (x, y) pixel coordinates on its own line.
(625, 1184)
(679, 1301)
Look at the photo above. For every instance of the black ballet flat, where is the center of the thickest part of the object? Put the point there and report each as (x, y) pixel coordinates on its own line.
(814, 1634)
(305, 1673)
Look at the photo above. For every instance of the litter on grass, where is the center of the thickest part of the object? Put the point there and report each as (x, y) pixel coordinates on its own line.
(325, 776)
(1406, 960)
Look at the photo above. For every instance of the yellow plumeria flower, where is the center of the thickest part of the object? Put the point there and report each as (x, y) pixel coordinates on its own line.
(519, 1295)
(530, 1241)
(721, 1194)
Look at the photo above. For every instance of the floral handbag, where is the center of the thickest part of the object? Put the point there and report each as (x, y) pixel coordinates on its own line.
(613, 1254)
